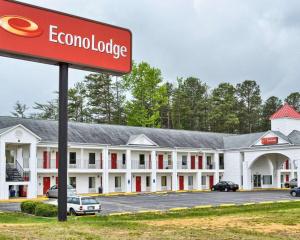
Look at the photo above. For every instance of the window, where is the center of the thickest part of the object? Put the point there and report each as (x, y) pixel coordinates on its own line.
(72, 181)
(163, 181)
(209, 162)
(169, 160)
(184, 160)
(148, 181)
(124, 159)
(92, 182)
(203, 179)
(142, 159)
(72, 157)
(190, 181)
(221, 161)
(267, 179)
(117, 182)
(92, 158)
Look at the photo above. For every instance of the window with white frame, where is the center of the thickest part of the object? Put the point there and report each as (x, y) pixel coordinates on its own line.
(147, 181)
(267, 179)
(72, 156)
(163, 181)
(142, 159)
(92, 158)
(190, 181)
(203, 179)
(123, 159)
(169, 160)
(117, 181)
(72, 181)
(92, 182)
(184, 160)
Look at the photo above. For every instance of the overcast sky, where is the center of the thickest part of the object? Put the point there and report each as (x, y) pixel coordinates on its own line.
(215, 40)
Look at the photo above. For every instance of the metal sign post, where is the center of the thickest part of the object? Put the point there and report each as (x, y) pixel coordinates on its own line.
(63, 141)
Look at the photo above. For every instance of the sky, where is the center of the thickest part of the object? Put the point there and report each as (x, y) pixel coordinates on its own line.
(214, 40)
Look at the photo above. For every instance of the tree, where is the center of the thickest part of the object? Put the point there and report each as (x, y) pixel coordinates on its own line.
(19, 110)
(47, 110)
(223, 114)
(271, 105)
(77, 109)
(190, 104)
(248, 94)
(100, 97)
(118, 112)
(166, 110)
(148, 95)
(294, 100)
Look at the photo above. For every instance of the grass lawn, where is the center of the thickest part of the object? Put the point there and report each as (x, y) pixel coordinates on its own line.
(262, 221)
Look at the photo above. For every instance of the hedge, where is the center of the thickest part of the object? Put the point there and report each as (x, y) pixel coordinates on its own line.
(46, 210)
(39, 208)
(29, 206)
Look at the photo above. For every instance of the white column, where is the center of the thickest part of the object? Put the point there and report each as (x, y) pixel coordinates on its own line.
(32, 186)
(204, 160)
(298, 171)
(82, 165)
(199, 180)
(128, 178)
(246, 176)
(105, 177)
(292, 168)
(3, 190)
(153, 171)
(174, 173)
(189, 160)
(278, 178)
(217, 168)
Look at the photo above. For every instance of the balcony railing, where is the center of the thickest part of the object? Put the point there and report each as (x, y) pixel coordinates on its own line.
(116, 164)
(96, 165)
(136, 164)
(164, 165)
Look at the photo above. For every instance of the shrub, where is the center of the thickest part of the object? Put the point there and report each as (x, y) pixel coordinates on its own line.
(29, 206)
(45, 210)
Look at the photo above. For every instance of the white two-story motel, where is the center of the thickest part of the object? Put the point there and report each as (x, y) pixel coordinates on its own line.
(134, 159)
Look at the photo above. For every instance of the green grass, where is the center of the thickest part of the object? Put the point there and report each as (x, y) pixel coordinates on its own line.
(263, 221)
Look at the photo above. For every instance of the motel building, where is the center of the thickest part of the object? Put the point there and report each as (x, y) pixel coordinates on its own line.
(110, 158)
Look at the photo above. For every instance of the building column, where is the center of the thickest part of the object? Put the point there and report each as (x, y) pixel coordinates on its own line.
(174, 173)
(153, 171)
(278, 178)
(298, 171)
(32, 186)
(105, 176)
(199, 181)
(188, 165)
(128, 178)
(217, 168)
(82, 165)
(246, 176)
(204, 160)
(292, 168)
(3, 190)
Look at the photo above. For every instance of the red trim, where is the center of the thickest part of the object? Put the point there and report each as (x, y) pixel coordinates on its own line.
(286, 111)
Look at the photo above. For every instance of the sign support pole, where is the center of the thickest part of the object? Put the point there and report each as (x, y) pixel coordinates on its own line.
(63, 142)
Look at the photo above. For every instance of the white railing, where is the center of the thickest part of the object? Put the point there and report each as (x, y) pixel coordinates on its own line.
(135, 164)
(119, 165)
(165, 165)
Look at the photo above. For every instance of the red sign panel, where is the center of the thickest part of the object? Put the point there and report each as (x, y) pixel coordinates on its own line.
(43, 35)
(269, 140)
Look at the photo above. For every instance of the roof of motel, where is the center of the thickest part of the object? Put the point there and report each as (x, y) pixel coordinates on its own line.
(286, 111)
(84, 133)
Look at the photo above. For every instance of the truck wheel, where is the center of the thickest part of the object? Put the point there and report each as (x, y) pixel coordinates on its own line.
(72, 212)
(294, 194)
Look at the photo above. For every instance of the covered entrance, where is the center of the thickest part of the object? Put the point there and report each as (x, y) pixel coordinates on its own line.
(256, 180)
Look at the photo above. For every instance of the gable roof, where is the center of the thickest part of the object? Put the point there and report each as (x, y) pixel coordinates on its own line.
(8, 129)
(286, 111)
(85, 133)
(134, 140)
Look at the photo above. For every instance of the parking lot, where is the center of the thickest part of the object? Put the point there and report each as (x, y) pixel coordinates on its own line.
(165, 201)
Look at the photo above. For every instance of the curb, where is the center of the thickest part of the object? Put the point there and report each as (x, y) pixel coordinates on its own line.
(23, 200)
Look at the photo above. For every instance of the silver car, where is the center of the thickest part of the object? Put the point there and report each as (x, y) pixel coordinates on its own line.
(53, 191)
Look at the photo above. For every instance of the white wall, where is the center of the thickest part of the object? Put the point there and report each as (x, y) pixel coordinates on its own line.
(232, 168)
(169, 182)
(285, 125)
(111, 181)
(143, 182)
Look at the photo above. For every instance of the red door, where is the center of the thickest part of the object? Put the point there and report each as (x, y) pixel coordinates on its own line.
(211, 181)
(46, 184)
(287, 178)
(192, 162)
(45, 159)
(181, 182)
(56, 159)
(287, 164)
(113, 161)
(23, 191)
(138, 184)
(160, 161)
(200, 164)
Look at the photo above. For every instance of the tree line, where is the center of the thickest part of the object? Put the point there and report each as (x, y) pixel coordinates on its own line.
(142, 98)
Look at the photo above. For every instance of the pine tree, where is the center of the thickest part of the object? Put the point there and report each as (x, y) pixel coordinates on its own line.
(248, 94)
(19, 110)
(118, 112)
(294, 100)
(47, 110)
(271, 105)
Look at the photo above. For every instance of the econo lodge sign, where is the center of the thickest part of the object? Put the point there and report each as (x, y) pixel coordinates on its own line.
(48, 36)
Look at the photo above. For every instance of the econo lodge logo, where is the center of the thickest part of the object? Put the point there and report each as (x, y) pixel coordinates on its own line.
(20, 26)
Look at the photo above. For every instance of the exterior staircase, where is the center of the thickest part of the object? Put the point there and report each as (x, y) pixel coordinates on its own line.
(15, 173)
